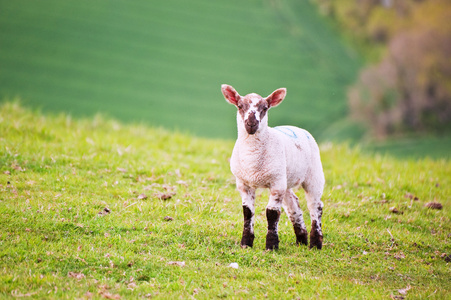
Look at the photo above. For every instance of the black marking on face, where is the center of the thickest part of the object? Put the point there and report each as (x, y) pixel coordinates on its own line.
(251, 123)
(252, 109)
(243, 106)
(262, 108)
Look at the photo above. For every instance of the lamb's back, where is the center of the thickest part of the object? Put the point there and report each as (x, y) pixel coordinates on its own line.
(300, 152)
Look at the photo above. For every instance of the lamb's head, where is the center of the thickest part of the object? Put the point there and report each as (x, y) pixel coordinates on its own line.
(252, 108)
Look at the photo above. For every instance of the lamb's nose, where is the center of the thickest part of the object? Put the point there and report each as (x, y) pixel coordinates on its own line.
(251, 123)
(252, 120)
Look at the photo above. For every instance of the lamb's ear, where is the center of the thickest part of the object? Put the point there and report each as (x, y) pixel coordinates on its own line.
(276, 97)
(230, 94)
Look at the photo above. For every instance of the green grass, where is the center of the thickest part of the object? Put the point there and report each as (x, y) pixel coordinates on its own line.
(58, 173)
(408, 146)
(163, 62)
(420, 146)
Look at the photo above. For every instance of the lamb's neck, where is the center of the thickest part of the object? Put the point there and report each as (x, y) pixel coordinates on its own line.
(257, 141)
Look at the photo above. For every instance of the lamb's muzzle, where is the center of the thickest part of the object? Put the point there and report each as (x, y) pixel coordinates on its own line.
(280, 159)
(251, 123)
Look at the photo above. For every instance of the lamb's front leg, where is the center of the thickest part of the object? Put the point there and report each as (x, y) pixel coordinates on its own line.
(248, 198)
(273, 216)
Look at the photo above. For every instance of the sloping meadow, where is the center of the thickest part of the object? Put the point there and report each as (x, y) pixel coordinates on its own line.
(94, 208)
(163, 62)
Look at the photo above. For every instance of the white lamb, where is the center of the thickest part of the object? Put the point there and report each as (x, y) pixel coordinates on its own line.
(280, 159)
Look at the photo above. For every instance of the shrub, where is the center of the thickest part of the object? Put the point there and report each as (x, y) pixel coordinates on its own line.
(410, 89)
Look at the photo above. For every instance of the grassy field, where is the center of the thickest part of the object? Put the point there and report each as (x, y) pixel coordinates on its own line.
(94, 208)
(163, 62)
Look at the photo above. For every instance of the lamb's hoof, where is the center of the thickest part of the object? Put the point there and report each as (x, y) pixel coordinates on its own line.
(247, 240)
(316, 241)
(272, 247)
(272, 241)
(301, 236)
(316, 238)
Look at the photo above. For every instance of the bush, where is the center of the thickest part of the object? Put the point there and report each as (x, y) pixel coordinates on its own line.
(410, 89)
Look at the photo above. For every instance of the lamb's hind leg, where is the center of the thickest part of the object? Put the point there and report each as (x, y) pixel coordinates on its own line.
(248, 199)
(294, 212)
(315, 206)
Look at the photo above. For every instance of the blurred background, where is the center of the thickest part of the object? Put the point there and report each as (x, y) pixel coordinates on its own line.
(373, 72)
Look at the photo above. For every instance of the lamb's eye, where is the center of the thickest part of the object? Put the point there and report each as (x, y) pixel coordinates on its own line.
(240, 106)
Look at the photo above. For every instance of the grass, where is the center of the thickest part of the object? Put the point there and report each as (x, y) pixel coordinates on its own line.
(417, 147)
(82, 215)
(163, 62)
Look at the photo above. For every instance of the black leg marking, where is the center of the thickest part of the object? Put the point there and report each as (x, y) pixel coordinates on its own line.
(248, 236)
(316, 239)
(272, 238)
(301, 235)
(320, 212)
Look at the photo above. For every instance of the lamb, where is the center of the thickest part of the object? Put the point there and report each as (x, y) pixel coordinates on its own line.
(279, 158)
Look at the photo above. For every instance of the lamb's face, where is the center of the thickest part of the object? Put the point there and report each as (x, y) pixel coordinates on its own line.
(252, 108)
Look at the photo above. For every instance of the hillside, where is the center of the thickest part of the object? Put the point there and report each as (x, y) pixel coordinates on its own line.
(96, 208)
(162, 62)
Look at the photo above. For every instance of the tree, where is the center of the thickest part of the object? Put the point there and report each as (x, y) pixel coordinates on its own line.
(410, 89)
